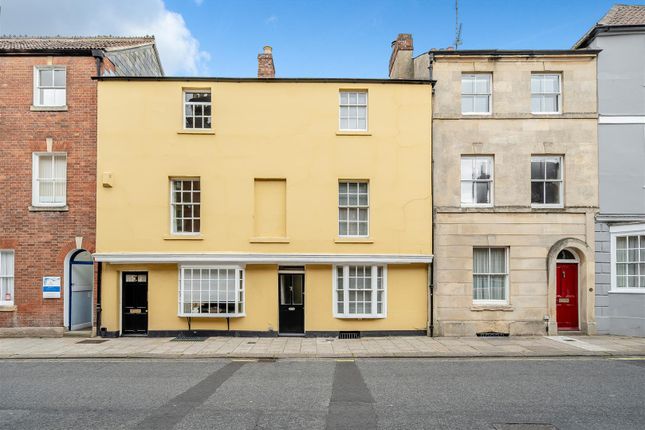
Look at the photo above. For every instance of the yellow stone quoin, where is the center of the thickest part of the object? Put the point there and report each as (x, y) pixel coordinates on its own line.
(269, 172)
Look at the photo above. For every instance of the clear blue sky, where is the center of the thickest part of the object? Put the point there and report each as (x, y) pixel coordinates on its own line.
(351, 38)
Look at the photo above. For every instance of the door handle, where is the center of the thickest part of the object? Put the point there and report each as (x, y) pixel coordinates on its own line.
(292, 309)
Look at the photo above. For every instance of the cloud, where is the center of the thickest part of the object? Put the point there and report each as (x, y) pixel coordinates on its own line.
(178, 48)
(199, 2)
(271, 20)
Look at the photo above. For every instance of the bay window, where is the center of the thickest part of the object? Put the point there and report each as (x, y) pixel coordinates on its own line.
(211, 291)
(360, 291)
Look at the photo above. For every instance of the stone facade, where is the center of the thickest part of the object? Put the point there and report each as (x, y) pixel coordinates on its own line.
(532, 236)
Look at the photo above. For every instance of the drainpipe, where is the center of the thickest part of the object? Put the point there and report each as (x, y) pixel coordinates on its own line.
(99, 55)
(98, 300)
(431, 290)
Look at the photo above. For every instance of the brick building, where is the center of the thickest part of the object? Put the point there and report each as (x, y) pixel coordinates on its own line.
(48, 174)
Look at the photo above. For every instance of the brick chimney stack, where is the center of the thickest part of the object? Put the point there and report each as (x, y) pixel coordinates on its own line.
(401, 62)
(266, 69)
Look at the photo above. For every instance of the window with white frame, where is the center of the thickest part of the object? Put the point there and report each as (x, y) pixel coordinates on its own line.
(490, 275)
(359, 291)
(476, 93)
(50, 88)
(49, 179)
(545, 93)
(629, 264)
(185, 206)
(6, 277)
(197, 110)
(476, 181)
(353, 110)
(353, 208)
(547, 181)
(211, 291)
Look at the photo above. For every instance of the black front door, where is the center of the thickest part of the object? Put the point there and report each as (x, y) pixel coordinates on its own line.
(291, 290)
(135, 303)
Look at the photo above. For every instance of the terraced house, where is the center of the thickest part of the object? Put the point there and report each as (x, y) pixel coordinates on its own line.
(264, 206)
(515, 179)
(48, 174)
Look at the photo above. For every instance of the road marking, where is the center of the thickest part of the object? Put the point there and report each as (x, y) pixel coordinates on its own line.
(173, 411)
(577, 343)
(351, 405)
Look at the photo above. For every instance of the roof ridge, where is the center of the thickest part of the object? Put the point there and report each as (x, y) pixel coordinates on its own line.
(108, 36)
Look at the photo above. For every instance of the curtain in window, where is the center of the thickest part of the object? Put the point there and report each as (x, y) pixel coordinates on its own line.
(6, 275)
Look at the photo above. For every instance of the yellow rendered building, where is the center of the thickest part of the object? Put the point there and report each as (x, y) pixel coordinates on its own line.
(263, 206)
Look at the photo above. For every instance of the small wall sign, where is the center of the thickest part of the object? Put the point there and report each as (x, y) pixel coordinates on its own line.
(51, 287)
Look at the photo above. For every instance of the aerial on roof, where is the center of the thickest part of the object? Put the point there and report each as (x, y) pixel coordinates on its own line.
(56, 43)
(620, 17)
(622, 14)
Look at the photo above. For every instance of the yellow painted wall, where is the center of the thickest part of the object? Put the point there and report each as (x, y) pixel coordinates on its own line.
(406, 300)
(263, 130)
(270, 211)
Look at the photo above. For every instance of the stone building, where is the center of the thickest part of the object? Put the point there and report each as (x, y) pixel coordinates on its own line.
(515, 188)
(620, 226)
(48, 174)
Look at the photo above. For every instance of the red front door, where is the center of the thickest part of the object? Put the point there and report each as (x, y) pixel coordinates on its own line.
(567, 296)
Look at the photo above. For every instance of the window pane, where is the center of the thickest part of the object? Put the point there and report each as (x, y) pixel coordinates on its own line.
(467, 168)
(536, 84)
(344, 97)
(497, 260)
(482, 168)
(467, 192)
(480, 260)
(482, 85)
(536, 103)
(46, 78)
(362, 98)
(553, 169)
(537, 192)
(497, 288)
(482, 192)
(551, 84)
(537, 169)
(480, 287)
(552, 193)
(467, 84)
(59, 78)
(467, 104)
(481, 104)
(550, 103)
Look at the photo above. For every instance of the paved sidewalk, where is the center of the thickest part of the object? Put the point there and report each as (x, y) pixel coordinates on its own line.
(290, 347)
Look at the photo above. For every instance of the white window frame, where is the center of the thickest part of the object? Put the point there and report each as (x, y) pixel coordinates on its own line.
(614, 233)
(489, 75)
(173, 226)
(341, 105)
(35, 180)
(356, 206)
(37, 86)
(3, 301)
(504, 302)
(202, 104)
(558, 94)
(374, 290)
(561, 180)
(240, 291)
(491, 181)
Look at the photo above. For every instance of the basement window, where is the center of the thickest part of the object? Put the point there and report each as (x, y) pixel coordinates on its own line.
(211, 291)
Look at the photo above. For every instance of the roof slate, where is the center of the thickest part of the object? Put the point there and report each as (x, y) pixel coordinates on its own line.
(622, 14)
(108, 43)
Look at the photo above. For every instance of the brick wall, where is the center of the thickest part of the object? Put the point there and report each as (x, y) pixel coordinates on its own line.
(42, 240)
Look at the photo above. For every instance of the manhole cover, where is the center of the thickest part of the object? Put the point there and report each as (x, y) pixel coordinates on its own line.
(524, 426)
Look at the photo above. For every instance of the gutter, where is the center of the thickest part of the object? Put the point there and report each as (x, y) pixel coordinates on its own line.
(99, 55)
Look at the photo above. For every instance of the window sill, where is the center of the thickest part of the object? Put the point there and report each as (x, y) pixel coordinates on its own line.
(556, 114)
(48, 108)
(360, 317)
(269, 240)
(476, 114)
(492, 308)
(196, 132)
(353, 240)
(353, 133)
(211, 315)
(631, 290)
(48, 208)
(482, 206)
(546, 207)
(8, 308)
(184, 237)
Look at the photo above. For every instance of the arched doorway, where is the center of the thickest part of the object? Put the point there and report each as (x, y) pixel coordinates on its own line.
(567, 297)
(79, 290)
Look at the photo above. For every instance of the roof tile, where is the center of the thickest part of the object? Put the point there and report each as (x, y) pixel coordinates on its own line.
(34, 43)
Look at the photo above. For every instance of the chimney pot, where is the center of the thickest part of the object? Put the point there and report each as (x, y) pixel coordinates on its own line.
(401, 61)
(268, 49)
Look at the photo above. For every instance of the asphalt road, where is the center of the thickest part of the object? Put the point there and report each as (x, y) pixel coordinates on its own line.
(320, 394)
